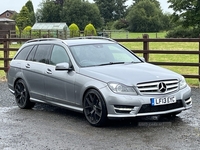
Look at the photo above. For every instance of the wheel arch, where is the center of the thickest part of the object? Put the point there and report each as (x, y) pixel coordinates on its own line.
(95, 88)
(20, 78)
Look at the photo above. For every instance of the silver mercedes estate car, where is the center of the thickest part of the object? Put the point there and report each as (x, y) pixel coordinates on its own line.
(95, 76)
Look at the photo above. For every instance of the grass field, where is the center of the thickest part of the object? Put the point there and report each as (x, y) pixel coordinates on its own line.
(123, 35)
(155, 57)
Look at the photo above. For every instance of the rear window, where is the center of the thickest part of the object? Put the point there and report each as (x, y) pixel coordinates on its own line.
(22, 55)
(42, 53)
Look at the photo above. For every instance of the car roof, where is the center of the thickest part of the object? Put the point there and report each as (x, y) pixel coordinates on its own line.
(73, 41)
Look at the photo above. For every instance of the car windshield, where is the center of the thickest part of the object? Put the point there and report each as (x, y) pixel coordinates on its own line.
(102, 54)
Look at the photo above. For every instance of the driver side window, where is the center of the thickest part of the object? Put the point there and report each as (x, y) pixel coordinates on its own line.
(59, 55)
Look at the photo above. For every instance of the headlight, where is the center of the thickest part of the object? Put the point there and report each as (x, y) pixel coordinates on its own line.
(182, 83)
(121, 89)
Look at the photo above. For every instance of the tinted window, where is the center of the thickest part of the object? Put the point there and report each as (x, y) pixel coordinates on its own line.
(32, 54)
(58, 55)
(22, 55)
(42, 53)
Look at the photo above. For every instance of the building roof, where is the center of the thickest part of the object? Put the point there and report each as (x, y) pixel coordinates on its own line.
(6, 20)
(10, 11)
(50, 26)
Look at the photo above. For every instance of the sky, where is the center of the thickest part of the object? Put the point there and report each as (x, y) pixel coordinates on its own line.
(17, 5)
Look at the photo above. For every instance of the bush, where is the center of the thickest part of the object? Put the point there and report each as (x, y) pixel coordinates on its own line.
(17, 30)
(180, 32)
(74, 30)
(90, 30)
(120, 24)
(26, 31)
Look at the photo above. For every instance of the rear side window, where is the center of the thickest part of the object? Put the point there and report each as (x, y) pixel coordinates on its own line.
(22, 55)
(32, 54)
(42, 53)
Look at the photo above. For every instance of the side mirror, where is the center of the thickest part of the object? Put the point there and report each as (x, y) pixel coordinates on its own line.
(63, 66)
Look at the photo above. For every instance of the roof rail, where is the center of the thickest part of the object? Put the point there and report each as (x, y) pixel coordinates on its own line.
(93, 37)
(43, 39)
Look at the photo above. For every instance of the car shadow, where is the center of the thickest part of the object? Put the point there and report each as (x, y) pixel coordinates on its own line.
(149, 121)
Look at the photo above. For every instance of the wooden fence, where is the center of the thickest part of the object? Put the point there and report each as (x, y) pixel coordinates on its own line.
(146, 51)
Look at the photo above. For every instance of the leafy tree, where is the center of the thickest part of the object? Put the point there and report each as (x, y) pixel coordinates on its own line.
(144, 16)
(29, 5)
(120, 9)
(23, 19)
(187, 12)
(107, 9)
(167, 22)
(156, 2)
(81, 13)
(49, 11)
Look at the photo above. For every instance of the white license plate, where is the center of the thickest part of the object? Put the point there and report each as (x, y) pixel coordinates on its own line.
(163, 100)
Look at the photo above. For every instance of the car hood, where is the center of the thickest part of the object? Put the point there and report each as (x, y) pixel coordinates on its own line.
(129, 74)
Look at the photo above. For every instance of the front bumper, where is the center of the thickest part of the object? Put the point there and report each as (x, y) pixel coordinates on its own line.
(123, 106)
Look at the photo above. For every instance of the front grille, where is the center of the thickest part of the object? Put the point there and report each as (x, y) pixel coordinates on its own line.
(148, 108)
(158, 87)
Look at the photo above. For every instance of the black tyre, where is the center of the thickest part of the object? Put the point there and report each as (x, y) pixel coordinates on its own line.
(95, 108)
(22, 95)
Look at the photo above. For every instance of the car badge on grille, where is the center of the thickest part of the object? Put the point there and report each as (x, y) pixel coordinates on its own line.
(162, 87)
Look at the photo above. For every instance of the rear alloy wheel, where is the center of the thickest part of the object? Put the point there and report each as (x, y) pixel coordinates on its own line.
(22, 95)
(94, 108)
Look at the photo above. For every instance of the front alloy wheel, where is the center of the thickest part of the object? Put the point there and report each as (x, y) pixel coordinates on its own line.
(22, 95)
(94, 108)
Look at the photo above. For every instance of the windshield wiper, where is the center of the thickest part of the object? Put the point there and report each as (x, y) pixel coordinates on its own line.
(111, 63)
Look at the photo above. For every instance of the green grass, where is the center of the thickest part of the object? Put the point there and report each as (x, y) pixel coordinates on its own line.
(154, 57)
(187, 58)
(124, 35)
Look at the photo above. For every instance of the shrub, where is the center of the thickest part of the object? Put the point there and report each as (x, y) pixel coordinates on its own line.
(17, 30)
(180, 32)
(90, 30)
(74, 30)
(26, 31)
(120, 24)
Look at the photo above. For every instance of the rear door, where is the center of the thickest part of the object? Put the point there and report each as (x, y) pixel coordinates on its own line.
(34, 70)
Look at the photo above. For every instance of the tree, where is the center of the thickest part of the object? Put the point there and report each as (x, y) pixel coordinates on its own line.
(120, 9)
(156, 2)
(49, 11)
(81, 13)
(144, 16)
(187, 12)
(29, 5)
(166, 21)
(23, 19)
(107, 9)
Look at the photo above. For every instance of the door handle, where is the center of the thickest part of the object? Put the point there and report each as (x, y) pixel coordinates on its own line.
(49, 71)
(27, 65)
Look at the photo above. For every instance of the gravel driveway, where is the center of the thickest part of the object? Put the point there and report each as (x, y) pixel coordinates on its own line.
(51, 128)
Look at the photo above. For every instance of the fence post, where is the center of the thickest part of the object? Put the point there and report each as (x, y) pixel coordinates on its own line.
(146, 47)
(6, 53)
(30, 32)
